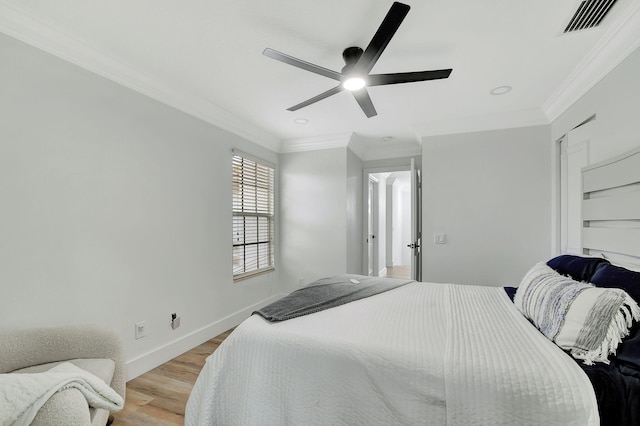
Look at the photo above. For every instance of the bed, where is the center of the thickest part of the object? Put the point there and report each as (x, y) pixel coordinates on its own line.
(436, 354)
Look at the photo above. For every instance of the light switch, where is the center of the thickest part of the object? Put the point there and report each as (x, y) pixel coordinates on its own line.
(440, 238)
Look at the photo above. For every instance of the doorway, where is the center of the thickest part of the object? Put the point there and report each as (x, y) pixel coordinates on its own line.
(390, 219)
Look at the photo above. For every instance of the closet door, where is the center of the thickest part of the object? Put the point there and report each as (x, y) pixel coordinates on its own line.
(574, 155)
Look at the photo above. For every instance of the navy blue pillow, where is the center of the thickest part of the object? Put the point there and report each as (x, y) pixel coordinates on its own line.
(612, 276)
(577, 267)
(511, 292)
(628, 352)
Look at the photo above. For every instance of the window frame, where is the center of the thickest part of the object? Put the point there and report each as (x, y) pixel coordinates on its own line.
(255, 209)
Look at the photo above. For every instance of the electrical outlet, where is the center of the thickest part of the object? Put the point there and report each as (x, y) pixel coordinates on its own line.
(301, 282)
(141, 329)
(175, 321)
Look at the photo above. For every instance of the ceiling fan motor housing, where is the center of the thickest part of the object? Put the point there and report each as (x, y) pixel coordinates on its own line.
(351, 56)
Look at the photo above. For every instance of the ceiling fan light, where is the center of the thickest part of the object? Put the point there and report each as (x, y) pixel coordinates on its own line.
(354, 83)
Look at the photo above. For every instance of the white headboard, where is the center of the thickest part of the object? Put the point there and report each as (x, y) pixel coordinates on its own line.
(611, 208)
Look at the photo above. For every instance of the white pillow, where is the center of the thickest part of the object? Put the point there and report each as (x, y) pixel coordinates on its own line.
(589, 322)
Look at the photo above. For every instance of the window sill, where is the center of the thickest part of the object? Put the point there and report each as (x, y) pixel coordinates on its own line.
(247, 275)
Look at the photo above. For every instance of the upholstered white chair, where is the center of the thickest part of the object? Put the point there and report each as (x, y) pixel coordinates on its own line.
(95, 349)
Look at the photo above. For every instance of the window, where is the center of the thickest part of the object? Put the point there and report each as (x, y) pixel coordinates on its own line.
(253, 217)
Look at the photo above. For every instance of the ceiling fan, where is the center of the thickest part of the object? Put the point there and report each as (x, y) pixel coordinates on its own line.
(355, 75)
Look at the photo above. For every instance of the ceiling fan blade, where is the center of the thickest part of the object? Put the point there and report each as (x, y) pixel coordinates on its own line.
(364, 100)
(382, 37)
(406, 77)
(315, 99)
(301, 64)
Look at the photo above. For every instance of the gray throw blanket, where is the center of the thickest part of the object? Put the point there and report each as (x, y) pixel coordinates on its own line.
(327, 293)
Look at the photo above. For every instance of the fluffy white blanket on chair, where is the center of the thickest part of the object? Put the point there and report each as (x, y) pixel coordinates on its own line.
(22, 395)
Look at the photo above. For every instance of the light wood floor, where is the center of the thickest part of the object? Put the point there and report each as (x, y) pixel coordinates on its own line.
(158, 397)
(399, 271)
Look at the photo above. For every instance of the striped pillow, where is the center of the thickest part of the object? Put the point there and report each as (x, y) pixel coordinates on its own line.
(587, 321)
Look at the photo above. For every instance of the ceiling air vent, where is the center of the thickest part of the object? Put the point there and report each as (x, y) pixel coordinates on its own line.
(589, 14)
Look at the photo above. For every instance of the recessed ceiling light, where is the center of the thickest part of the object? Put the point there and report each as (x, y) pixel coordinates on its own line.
(387, 139)
(301, 121)
(500, 90)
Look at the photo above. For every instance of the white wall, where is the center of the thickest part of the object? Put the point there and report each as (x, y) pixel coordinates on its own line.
(313, 220)
(490, 193)
(398, 224)
(115, 209)
(615, 101)
(355, 188)
(401, 222)
(389, 249)
(381, 234)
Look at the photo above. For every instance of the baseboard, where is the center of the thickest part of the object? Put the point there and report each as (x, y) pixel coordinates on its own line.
(159, 356)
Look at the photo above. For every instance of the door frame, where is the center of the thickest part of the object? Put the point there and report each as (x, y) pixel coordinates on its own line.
(366, 171)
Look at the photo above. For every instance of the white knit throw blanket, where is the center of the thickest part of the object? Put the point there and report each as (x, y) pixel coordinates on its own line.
(23, 394)
(590, 322)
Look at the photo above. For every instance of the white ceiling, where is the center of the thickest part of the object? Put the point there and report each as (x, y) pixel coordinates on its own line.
(205, 57)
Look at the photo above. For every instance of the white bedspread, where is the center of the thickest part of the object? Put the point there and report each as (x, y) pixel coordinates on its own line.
(421, 354)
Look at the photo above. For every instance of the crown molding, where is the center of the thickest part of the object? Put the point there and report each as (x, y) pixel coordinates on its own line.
(340, 140)
(621, 39)
(495, 121)
(19, 25)
(397, 150)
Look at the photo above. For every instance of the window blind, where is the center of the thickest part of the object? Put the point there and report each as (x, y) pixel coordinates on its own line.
(253, 217)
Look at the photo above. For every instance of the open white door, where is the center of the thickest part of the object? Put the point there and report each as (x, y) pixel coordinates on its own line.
(372, 227)
(416, 223)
